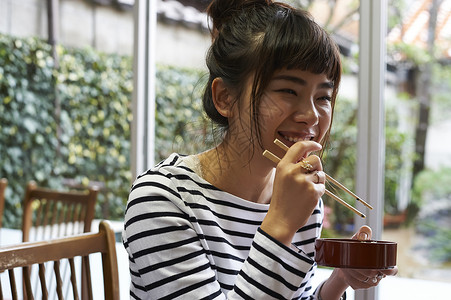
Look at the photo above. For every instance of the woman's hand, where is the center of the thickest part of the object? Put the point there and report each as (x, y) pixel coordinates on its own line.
(341, 279)
(362, 279)
(296, 191)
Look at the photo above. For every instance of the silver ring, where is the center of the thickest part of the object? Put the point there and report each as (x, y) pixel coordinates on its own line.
(366, 280)
(374, 280)
(317, 176)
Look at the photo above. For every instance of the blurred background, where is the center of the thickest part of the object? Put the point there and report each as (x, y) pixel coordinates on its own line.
(66, 90)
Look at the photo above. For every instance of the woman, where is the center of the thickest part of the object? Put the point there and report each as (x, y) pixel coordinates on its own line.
(228, 223)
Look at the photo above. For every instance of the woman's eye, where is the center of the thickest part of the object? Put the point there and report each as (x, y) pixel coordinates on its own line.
(288, 91)
(327, 98)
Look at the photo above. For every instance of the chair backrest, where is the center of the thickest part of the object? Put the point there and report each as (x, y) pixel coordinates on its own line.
(3, 185)
(51, 213)
(40, 253)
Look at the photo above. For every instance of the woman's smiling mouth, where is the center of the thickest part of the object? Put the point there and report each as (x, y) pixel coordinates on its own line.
(294, 138)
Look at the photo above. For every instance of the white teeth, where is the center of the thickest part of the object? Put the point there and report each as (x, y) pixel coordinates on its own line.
(295, 140)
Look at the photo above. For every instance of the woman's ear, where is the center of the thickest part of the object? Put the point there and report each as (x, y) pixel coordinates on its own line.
(222, 98)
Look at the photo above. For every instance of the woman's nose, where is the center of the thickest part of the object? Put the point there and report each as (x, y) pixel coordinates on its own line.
(306, 112)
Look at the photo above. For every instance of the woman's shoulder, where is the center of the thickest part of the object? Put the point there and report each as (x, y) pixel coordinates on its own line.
(158, 184)
(172, 165)
(172, 173)
(173, 162)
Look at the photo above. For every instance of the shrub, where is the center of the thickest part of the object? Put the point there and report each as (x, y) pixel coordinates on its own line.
(93, 144)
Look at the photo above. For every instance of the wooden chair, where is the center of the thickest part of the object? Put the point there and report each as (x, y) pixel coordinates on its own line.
(3, 185)
(39, 254)
(51, 213)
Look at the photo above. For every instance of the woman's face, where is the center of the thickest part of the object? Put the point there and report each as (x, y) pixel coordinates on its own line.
(296, 105)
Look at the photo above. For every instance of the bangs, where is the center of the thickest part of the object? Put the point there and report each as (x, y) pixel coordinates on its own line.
(297, 42)
(317, 54)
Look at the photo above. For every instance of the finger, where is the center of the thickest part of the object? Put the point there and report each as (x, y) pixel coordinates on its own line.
(369, 278)
(364, 233)
(301, 150)
(311, 164)
(390, 272)
(358, 279)
(319, 177)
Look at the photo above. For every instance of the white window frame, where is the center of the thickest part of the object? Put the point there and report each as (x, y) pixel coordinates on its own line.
(371, 133)
(143, 102)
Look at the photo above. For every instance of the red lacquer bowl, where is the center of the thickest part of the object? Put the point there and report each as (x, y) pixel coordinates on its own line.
(355, 254)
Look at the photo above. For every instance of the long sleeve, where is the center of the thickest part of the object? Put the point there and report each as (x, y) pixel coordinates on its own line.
(272, 269)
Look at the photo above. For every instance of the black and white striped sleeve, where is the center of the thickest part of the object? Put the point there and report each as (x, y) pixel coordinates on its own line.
(169, 258)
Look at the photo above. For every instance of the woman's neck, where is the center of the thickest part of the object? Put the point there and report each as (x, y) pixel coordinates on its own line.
(238, 171)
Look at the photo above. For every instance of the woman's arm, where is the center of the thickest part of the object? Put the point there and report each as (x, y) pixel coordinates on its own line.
(170, 256)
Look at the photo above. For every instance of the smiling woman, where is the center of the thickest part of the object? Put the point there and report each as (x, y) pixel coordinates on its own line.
(309, 97)
(225, 223)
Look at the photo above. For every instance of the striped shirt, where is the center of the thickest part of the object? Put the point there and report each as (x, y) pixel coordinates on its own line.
(187, 239)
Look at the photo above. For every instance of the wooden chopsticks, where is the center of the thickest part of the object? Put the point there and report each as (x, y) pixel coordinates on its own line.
(276, 160)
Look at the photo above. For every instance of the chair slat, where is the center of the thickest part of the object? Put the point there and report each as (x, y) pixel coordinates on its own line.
(27, 281)
(73, 278)
(62, 220)
(86, 279)
(83, 215)
(69, 218)
(43, 282)
(45, 217)
(80, 218)
(38, 217)
(12, 282)
(53, 228)
(76, 217)
(59, 281)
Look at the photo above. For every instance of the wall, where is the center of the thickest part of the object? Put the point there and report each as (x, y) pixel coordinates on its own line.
(105, 28)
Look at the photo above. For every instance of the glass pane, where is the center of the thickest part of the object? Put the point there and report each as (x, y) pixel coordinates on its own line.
(341, 19)
(418, 149)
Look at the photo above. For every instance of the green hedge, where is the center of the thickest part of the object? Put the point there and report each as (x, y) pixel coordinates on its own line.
(28, 140)
(181, 125)
(95, 91)
(94, 144)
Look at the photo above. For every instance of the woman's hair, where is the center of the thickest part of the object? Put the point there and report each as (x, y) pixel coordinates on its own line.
(259, 37)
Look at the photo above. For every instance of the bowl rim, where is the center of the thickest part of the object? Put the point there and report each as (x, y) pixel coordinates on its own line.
(353, 241)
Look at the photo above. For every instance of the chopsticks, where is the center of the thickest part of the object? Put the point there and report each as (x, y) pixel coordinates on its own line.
(276, 160)
(330, 178)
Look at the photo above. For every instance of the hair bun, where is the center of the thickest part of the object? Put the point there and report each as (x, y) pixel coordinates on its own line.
(220, 11)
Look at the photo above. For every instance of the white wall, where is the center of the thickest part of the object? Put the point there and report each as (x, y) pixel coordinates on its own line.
(105, 28)
(178, 46)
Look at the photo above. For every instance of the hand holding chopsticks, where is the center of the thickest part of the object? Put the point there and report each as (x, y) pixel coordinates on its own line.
(276, 160)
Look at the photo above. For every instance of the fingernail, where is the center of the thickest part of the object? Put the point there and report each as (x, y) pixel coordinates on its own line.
(363, 236)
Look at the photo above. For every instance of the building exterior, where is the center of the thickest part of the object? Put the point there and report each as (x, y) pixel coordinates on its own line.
(108, 26)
